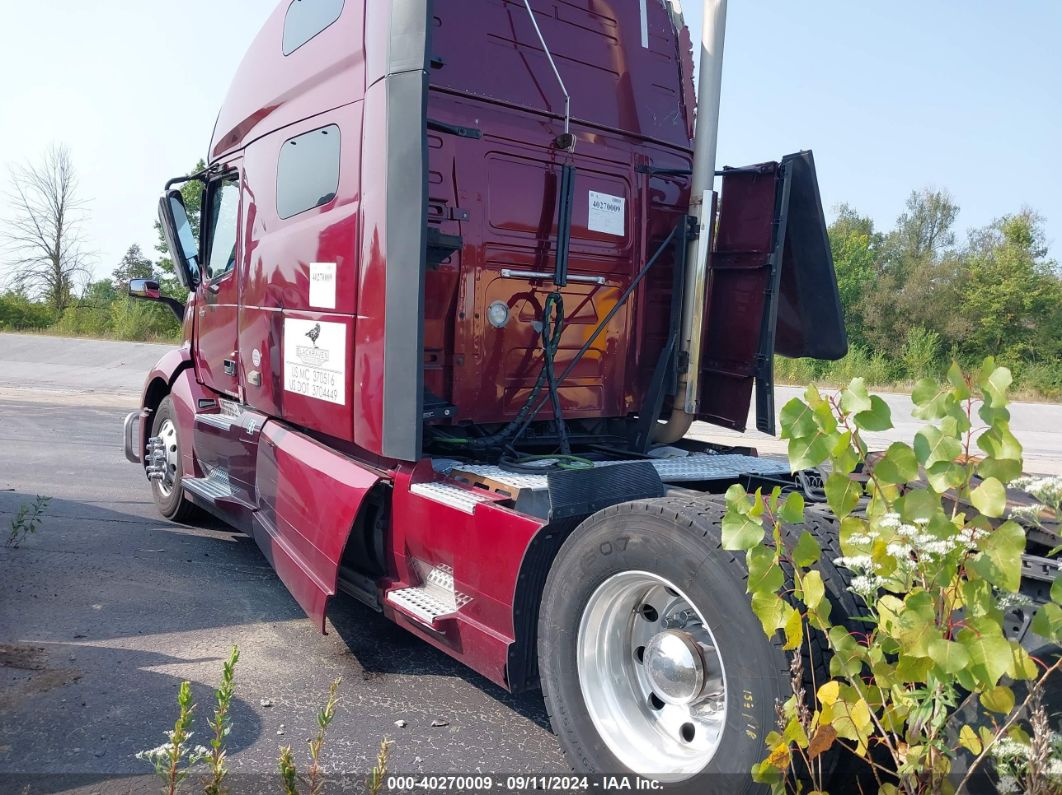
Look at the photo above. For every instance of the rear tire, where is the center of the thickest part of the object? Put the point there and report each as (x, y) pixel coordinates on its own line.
(670, 549)
(169, 492)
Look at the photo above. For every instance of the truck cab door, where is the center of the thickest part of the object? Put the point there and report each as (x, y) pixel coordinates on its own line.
(216, 334)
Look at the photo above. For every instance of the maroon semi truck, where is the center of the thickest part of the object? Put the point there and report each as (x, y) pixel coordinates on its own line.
(462, 284)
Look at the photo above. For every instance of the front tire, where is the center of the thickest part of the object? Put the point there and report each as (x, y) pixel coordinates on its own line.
(651, 659)
(169, 492)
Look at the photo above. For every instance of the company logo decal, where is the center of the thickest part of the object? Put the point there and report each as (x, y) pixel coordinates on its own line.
(312, 356)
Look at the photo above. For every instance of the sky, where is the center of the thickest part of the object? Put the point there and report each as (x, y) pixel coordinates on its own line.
(962, 95)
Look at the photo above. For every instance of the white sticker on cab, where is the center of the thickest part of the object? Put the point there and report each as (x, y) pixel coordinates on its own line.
(607, 213)
(315, 360)
(323, 285)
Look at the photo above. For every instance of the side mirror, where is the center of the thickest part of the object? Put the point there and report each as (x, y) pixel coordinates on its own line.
(150, 290)
(179, 238)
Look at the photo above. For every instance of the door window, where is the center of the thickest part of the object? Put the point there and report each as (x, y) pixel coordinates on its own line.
(306, 18)
(308, 171)
(222, 222)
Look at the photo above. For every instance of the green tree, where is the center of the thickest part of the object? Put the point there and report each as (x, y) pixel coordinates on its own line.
(192, 193)
(925, 230)
(919, 274)
(1012, 293)
(18, 312)
(134, 265)
(856, 251)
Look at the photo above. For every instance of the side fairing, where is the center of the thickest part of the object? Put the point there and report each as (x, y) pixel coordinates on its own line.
(308, 498)
(389, 350)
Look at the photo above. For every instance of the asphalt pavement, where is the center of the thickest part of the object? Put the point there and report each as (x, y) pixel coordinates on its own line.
(107, 608)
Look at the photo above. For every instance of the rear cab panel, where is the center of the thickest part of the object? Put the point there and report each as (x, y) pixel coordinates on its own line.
(495, 186)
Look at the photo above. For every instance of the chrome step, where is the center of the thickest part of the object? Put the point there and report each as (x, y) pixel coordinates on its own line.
(462, 499)
(421, 604)
(433, 600)
(214, 487)
(220, 421)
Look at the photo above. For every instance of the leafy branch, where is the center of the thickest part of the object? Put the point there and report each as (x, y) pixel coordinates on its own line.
(934, 563)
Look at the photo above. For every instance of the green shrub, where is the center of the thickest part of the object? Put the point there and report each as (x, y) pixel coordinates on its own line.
(85, 320)
(1043, 379)
(142, 320)
(18, 313)
(935, 575)
(921, 353)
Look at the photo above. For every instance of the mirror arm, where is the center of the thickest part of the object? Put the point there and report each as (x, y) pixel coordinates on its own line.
(172, 304)
(199, 175)
(175, 306)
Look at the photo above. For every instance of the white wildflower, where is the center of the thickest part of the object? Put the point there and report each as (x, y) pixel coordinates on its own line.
(866, 586)
(922, 521)
(937, 547)
(898, 550)
(907, 531)
(1007, 748)
(969, 536)
(1012, 601)
(1045, 489)
(861, 538)
(1027, 513)
(855, 562)
(154, 753)
(1008, 784)
(889, 520)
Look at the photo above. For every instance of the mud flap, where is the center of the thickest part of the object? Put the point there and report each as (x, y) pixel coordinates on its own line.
(771, 289)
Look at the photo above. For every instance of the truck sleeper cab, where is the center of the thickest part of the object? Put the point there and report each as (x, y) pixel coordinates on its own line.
(433, 320)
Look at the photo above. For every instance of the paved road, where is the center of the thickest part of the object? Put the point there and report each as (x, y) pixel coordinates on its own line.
(107, 608)
(105, 371)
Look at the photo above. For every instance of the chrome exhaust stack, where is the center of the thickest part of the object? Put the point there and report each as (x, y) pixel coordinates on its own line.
(706, 138)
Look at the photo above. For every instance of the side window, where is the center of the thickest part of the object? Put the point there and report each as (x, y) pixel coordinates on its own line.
(222, 221)
(308, 171)
(306, 18)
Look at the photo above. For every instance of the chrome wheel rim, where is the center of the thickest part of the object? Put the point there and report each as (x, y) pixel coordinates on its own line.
(168, 436)
(651, 676)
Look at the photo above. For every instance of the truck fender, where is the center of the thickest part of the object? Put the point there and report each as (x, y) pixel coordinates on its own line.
(521, 670)
(159, 383)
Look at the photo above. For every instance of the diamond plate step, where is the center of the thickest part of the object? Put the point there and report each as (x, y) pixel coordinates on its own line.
(423, 604)
(433, 600)
(723, 466)
(215, 486)
(217, 489)
(464, 500)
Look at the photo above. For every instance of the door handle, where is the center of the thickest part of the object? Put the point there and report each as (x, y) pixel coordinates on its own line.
(230, 367)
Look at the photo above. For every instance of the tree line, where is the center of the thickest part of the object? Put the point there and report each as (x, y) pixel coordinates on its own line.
(915, 297)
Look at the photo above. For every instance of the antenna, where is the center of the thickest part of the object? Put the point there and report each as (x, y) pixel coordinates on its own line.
(552, 63)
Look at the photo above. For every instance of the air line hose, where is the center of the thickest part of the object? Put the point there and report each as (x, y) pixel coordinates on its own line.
(552, 327)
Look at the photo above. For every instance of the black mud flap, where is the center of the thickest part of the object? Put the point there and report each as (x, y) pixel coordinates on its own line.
(771, 289)
(581, 492)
